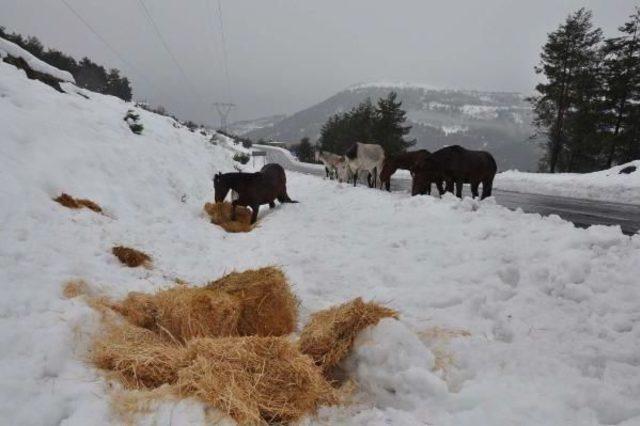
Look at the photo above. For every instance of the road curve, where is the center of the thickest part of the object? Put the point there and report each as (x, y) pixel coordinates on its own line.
(581, 212)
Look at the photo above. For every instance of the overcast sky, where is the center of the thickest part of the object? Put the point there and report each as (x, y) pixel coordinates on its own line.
(285, 55)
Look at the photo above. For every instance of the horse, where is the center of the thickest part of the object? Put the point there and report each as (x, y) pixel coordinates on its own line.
(405, 161)
(363, 156)
(253, 189)
(455, 165)
(330, 161)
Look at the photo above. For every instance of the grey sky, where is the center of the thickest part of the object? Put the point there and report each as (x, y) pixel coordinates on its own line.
(285, 55)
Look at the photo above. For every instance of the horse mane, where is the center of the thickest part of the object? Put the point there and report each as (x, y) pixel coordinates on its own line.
(352, 152)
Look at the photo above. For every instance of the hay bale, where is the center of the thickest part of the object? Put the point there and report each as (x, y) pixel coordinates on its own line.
(268, 307)
(131, 257)
(183, 313)
(253, 379)
(77, 203)
(329, 335)
(220, 214)
(139, 358)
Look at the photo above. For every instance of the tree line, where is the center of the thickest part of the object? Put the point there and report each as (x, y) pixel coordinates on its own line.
(87, 73)
(588, 107)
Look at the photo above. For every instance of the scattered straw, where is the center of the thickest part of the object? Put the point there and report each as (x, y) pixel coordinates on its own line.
(131, 257)
(75, 288)
(254, 379)
(438, 338)
(329, 335)
(220, 214)
(139, 358)
(268, 307)
(77, 203)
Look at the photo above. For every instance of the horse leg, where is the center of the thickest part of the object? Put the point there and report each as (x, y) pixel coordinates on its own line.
(233, 210)
(428, 190)
(326, 170)
(487, 186)
(254, 215)
(459, 184)
(369, 179)
(272, 204)
(355, 178)
(474, 188)
(449, 186)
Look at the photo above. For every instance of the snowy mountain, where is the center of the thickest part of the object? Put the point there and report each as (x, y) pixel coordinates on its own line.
(495, 121)
(505, 317)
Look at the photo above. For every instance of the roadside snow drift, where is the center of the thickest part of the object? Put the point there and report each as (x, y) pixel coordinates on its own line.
(551, 313)
(605, 185)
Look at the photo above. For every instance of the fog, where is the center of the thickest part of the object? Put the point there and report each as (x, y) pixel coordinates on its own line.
(285, 55)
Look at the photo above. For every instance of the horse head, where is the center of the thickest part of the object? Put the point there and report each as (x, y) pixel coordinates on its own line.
(220, 186)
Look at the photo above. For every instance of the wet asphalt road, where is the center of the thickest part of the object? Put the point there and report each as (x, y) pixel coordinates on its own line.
(581, 212)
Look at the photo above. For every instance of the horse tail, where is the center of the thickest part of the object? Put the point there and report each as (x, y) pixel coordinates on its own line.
(284, 198)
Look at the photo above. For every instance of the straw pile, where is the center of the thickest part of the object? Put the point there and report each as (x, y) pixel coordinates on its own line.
(77, 203)
(75, 288)
(329, 335)
(182, 313)
(139, 358)
(254, 379)
(267, 305)
(131, 257)
(220, 214)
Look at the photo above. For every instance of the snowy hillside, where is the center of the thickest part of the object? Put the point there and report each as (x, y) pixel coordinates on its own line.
(506, 318)
(606, 185)
(494, 121)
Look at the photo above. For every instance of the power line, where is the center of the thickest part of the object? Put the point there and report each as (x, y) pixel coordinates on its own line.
(108, 45)
(167, 49)
(224, 50)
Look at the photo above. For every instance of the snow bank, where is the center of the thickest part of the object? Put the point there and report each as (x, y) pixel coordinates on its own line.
(9, 48)
(605, 185)
(552, 310)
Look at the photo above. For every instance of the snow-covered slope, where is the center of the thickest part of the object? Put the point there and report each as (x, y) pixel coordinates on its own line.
(605, 185)
(9, 48)
(507, 318)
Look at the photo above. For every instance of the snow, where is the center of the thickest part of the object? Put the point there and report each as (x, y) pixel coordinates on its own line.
(605, 185)
(9, 48)
(455, 128)
(552, 311)
(392, 85)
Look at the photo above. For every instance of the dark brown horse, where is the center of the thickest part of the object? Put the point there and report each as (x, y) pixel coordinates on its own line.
(455, 165)
(254, 189)
(404, 161)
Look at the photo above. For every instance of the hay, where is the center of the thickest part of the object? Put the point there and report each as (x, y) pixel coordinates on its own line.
(329, 335)
(253, 379)
(75, 288)
(77, 203)
(268, 307)
(183, 313)
(139, 358)
(220, 214)
(131, 257)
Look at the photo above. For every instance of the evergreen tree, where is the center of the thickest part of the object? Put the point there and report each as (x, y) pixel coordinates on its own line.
(304, 150)
(389, 129)
(381, 124)
(622, 86)
(566, 99)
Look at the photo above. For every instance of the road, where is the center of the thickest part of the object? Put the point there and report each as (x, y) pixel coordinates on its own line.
(581, 212)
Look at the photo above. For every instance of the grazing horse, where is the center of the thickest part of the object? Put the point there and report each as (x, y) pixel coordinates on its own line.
(405, 161)
(253, 189)
(456, 165)
(363, 156)
(331, 162)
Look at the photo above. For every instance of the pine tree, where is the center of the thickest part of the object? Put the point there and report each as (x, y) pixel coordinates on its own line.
(622, 85)
(304, 150)
(389, 129)
(567, 59)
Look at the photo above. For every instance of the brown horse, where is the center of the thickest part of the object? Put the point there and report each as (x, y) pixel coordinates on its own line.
(456, 165)
(254, 189)
(405, 161)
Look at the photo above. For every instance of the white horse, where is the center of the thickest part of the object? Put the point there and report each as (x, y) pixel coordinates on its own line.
(331, 162)
(362, 157)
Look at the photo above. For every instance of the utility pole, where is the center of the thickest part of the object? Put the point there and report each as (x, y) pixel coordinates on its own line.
(224, 109)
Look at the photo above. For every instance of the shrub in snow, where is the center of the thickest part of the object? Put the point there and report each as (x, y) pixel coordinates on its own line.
(131, 257)
(132, 118)
(241, 158)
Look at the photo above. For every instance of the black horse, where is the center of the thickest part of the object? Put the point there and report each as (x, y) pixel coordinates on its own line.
(455, 165)
(254, 189)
